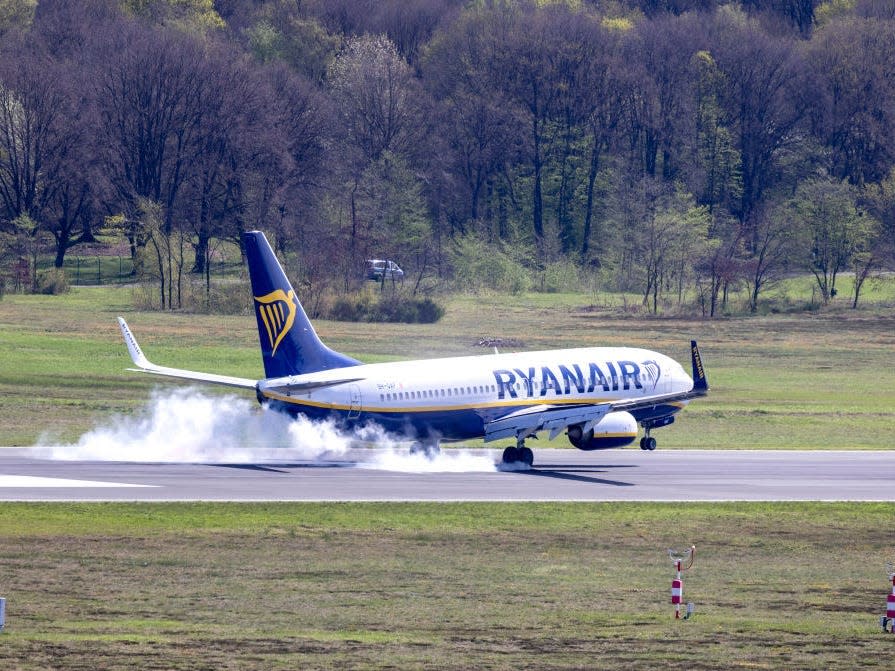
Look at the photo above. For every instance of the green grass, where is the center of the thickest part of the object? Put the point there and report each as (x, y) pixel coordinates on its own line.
(446, 586)
(812, 380)
(434, 586)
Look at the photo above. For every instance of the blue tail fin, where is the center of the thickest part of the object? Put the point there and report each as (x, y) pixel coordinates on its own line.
(289, 344)
(700, 383)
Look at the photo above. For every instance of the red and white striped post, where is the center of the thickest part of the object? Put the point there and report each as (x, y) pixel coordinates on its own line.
(677, 585)
(677, 593)
(890, 604)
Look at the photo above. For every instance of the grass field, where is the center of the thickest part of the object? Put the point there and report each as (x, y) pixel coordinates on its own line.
(808, 380)
(451, 586)
(442, 586)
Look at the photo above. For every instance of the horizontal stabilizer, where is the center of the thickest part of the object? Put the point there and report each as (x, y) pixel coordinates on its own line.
(143, 365)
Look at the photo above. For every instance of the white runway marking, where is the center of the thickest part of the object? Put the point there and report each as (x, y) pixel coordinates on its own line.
(15, 481)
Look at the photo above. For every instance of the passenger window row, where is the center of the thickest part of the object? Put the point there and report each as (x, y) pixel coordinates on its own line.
(450, 392)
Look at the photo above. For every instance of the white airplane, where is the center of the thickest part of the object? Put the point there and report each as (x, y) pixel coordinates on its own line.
(597, 395)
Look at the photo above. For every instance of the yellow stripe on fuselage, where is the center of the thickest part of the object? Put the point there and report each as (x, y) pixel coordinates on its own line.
(438, 408)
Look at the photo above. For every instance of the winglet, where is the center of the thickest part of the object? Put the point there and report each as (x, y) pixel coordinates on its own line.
(133, 348)
(700, 383)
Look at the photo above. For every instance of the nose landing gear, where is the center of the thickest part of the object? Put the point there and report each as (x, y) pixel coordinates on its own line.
(648, 442)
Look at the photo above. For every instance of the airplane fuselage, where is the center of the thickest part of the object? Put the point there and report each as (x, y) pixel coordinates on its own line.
(453, 398)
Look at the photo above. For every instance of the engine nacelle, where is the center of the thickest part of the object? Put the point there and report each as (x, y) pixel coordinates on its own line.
(616, 429)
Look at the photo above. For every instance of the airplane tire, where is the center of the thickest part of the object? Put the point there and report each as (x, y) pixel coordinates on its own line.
(510, 455)
(651, 443)
(526, 456)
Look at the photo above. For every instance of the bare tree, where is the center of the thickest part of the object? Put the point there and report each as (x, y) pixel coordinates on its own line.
(33, 109)
(853, 111)
(774, 250)
(156, 100)
(762, 102)
(482, 127)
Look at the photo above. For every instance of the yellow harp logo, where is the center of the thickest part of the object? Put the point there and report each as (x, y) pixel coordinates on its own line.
(276, 311)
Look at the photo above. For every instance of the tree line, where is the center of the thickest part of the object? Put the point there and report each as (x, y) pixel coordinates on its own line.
(674, 148)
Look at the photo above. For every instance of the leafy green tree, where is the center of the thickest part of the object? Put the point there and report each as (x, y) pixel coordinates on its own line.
(670, 239)
(192, 16)
(381, 109)
(390, 201)
(715, 175)
(16, 14)
(662, 235)
(482, 266)
(834, 229)
(301, 42)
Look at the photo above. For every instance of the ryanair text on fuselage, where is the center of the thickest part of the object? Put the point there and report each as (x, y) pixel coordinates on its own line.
(619, 376)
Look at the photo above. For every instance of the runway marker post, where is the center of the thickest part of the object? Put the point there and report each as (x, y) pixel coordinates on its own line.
(677, 585)
(888, 620)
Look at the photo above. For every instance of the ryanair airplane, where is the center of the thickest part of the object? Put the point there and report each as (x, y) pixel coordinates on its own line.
(597, 395)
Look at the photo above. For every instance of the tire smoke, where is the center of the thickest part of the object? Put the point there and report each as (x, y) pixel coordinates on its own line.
(189, 426)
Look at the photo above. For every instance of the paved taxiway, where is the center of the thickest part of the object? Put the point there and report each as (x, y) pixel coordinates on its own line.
(558, 475)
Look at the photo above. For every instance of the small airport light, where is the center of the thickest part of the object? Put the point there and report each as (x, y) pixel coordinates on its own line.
(677, 585)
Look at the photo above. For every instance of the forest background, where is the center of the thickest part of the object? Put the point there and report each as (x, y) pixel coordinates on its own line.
(676, 150)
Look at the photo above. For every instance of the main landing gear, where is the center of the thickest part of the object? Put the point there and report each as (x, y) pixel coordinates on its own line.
(647, 442)
(520, 453)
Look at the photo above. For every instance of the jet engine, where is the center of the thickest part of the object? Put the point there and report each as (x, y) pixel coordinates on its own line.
(616, 429)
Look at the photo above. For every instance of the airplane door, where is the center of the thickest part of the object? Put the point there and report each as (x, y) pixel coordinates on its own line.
(355, 400)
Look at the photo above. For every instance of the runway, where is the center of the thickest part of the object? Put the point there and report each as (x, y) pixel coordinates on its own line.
(558, 475)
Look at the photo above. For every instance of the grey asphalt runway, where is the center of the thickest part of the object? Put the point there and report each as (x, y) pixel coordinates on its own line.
(558, 475)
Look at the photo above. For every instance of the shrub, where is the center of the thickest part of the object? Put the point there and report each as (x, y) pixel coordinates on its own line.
(428, 311)
(478, 265)
(391, 309)
(53, 283)
(351, 308)
(561, 276)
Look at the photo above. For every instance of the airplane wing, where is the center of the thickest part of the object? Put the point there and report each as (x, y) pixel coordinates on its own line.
(143, 365)
(551, 418)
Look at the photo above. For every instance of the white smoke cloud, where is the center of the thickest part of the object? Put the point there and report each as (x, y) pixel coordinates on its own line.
(189, 426)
